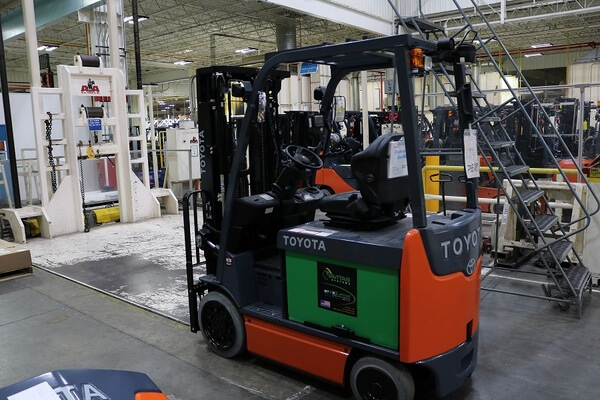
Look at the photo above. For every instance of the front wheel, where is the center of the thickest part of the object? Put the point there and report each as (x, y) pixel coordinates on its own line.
(376, 379)
(222, 325)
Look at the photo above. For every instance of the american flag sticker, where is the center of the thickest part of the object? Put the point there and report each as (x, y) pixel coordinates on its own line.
(325, 303)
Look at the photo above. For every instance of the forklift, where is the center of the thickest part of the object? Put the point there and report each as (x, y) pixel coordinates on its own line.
(367, 296)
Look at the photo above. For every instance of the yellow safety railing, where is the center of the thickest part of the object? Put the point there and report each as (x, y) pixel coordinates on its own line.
(431, 189)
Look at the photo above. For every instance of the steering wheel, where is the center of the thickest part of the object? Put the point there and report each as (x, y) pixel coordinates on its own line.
(303, 157)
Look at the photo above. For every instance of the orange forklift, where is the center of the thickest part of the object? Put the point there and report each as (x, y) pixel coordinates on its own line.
(370, 295)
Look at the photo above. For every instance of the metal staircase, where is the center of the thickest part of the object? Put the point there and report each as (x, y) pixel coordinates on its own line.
(550, 240)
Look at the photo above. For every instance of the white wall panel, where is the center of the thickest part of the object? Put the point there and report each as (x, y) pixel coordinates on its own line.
(411, 7)
(373, 16)
(585, 73)
(17, 76)
(377, 8)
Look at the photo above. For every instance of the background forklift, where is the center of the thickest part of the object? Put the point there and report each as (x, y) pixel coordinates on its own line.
(367, 297)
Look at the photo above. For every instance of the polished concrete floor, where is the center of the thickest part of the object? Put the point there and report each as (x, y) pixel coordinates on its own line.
(528, 348)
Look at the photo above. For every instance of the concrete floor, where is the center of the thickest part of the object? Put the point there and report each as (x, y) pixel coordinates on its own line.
(142, 263)
(528, 349)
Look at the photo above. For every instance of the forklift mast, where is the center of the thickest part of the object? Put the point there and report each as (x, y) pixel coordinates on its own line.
(222, 91)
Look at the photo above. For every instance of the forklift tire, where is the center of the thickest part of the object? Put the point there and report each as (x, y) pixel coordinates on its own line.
(376, 379)
(326, 191)
(222, 325)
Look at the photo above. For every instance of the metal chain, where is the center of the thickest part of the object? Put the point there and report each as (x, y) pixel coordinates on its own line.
(81, 181)
(86, 227)
(50, 153)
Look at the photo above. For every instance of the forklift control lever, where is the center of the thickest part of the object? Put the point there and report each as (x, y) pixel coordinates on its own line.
(442, 179)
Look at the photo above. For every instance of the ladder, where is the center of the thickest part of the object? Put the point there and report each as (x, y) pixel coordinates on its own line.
(550, 239)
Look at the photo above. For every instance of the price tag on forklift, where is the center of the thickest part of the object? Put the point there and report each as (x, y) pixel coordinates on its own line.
(471, 156)
(397, 165)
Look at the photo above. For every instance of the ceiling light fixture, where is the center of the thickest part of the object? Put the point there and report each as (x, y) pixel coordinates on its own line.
(487, 41)
(541, 45)
(47, 47)
(246, 50)
(182, 62)
(533, 55)
(130, 19)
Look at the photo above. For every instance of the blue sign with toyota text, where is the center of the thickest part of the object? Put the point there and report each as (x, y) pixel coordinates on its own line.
(95, 124)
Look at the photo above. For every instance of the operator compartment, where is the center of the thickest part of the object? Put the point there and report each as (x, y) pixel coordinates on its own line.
(333, 280)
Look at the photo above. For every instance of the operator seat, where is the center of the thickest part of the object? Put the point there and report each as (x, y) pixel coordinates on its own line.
(380, 172)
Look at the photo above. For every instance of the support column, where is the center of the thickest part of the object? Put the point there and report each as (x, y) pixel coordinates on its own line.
(32, 45)
(365, 108)
(113, 33)
(12, 157)
(581, 123)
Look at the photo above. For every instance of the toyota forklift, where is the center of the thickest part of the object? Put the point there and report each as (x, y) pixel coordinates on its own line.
(367, 296)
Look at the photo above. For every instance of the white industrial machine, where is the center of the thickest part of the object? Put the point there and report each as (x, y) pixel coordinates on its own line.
(90, 120)
(182, 154)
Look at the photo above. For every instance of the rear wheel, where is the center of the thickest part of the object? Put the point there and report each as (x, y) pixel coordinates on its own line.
(327, 191)
(222, 325)
(376, 379)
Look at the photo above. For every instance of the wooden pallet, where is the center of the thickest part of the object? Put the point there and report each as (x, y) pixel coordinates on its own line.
(18, 273)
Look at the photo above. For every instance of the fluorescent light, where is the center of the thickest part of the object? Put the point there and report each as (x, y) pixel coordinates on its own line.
(488, 41)
(246, 50)
(130, 19)
(541, 45)
(182, 62)
(533, 55)
(46, 47)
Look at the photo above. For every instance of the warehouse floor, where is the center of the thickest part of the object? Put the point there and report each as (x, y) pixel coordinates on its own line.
(528, 349)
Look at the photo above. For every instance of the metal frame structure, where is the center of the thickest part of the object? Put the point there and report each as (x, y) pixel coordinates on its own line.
(61, 185)
(531, 207)
(79, 86)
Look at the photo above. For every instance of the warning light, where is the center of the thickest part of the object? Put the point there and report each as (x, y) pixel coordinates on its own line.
(417, 61)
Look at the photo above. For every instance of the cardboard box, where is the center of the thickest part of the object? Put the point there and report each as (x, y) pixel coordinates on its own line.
(13, 257)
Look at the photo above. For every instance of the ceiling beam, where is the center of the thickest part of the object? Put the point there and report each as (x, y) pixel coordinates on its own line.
(46, 12)
(338, 14)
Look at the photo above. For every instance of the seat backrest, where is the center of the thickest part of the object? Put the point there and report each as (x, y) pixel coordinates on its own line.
(381, 171)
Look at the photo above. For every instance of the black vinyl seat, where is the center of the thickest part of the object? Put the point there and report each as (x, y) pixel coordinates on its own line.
(383, 188)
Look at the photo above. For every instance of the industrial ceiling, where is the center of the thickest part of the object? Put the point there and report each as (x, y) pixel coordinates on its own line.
(201, 31)
(565, 24)
(207, 31)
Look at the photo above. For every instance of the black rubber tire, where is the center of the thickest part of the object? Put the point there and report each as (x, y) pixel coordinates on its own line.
(222, 325)
(326, 191)
(372, 378)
